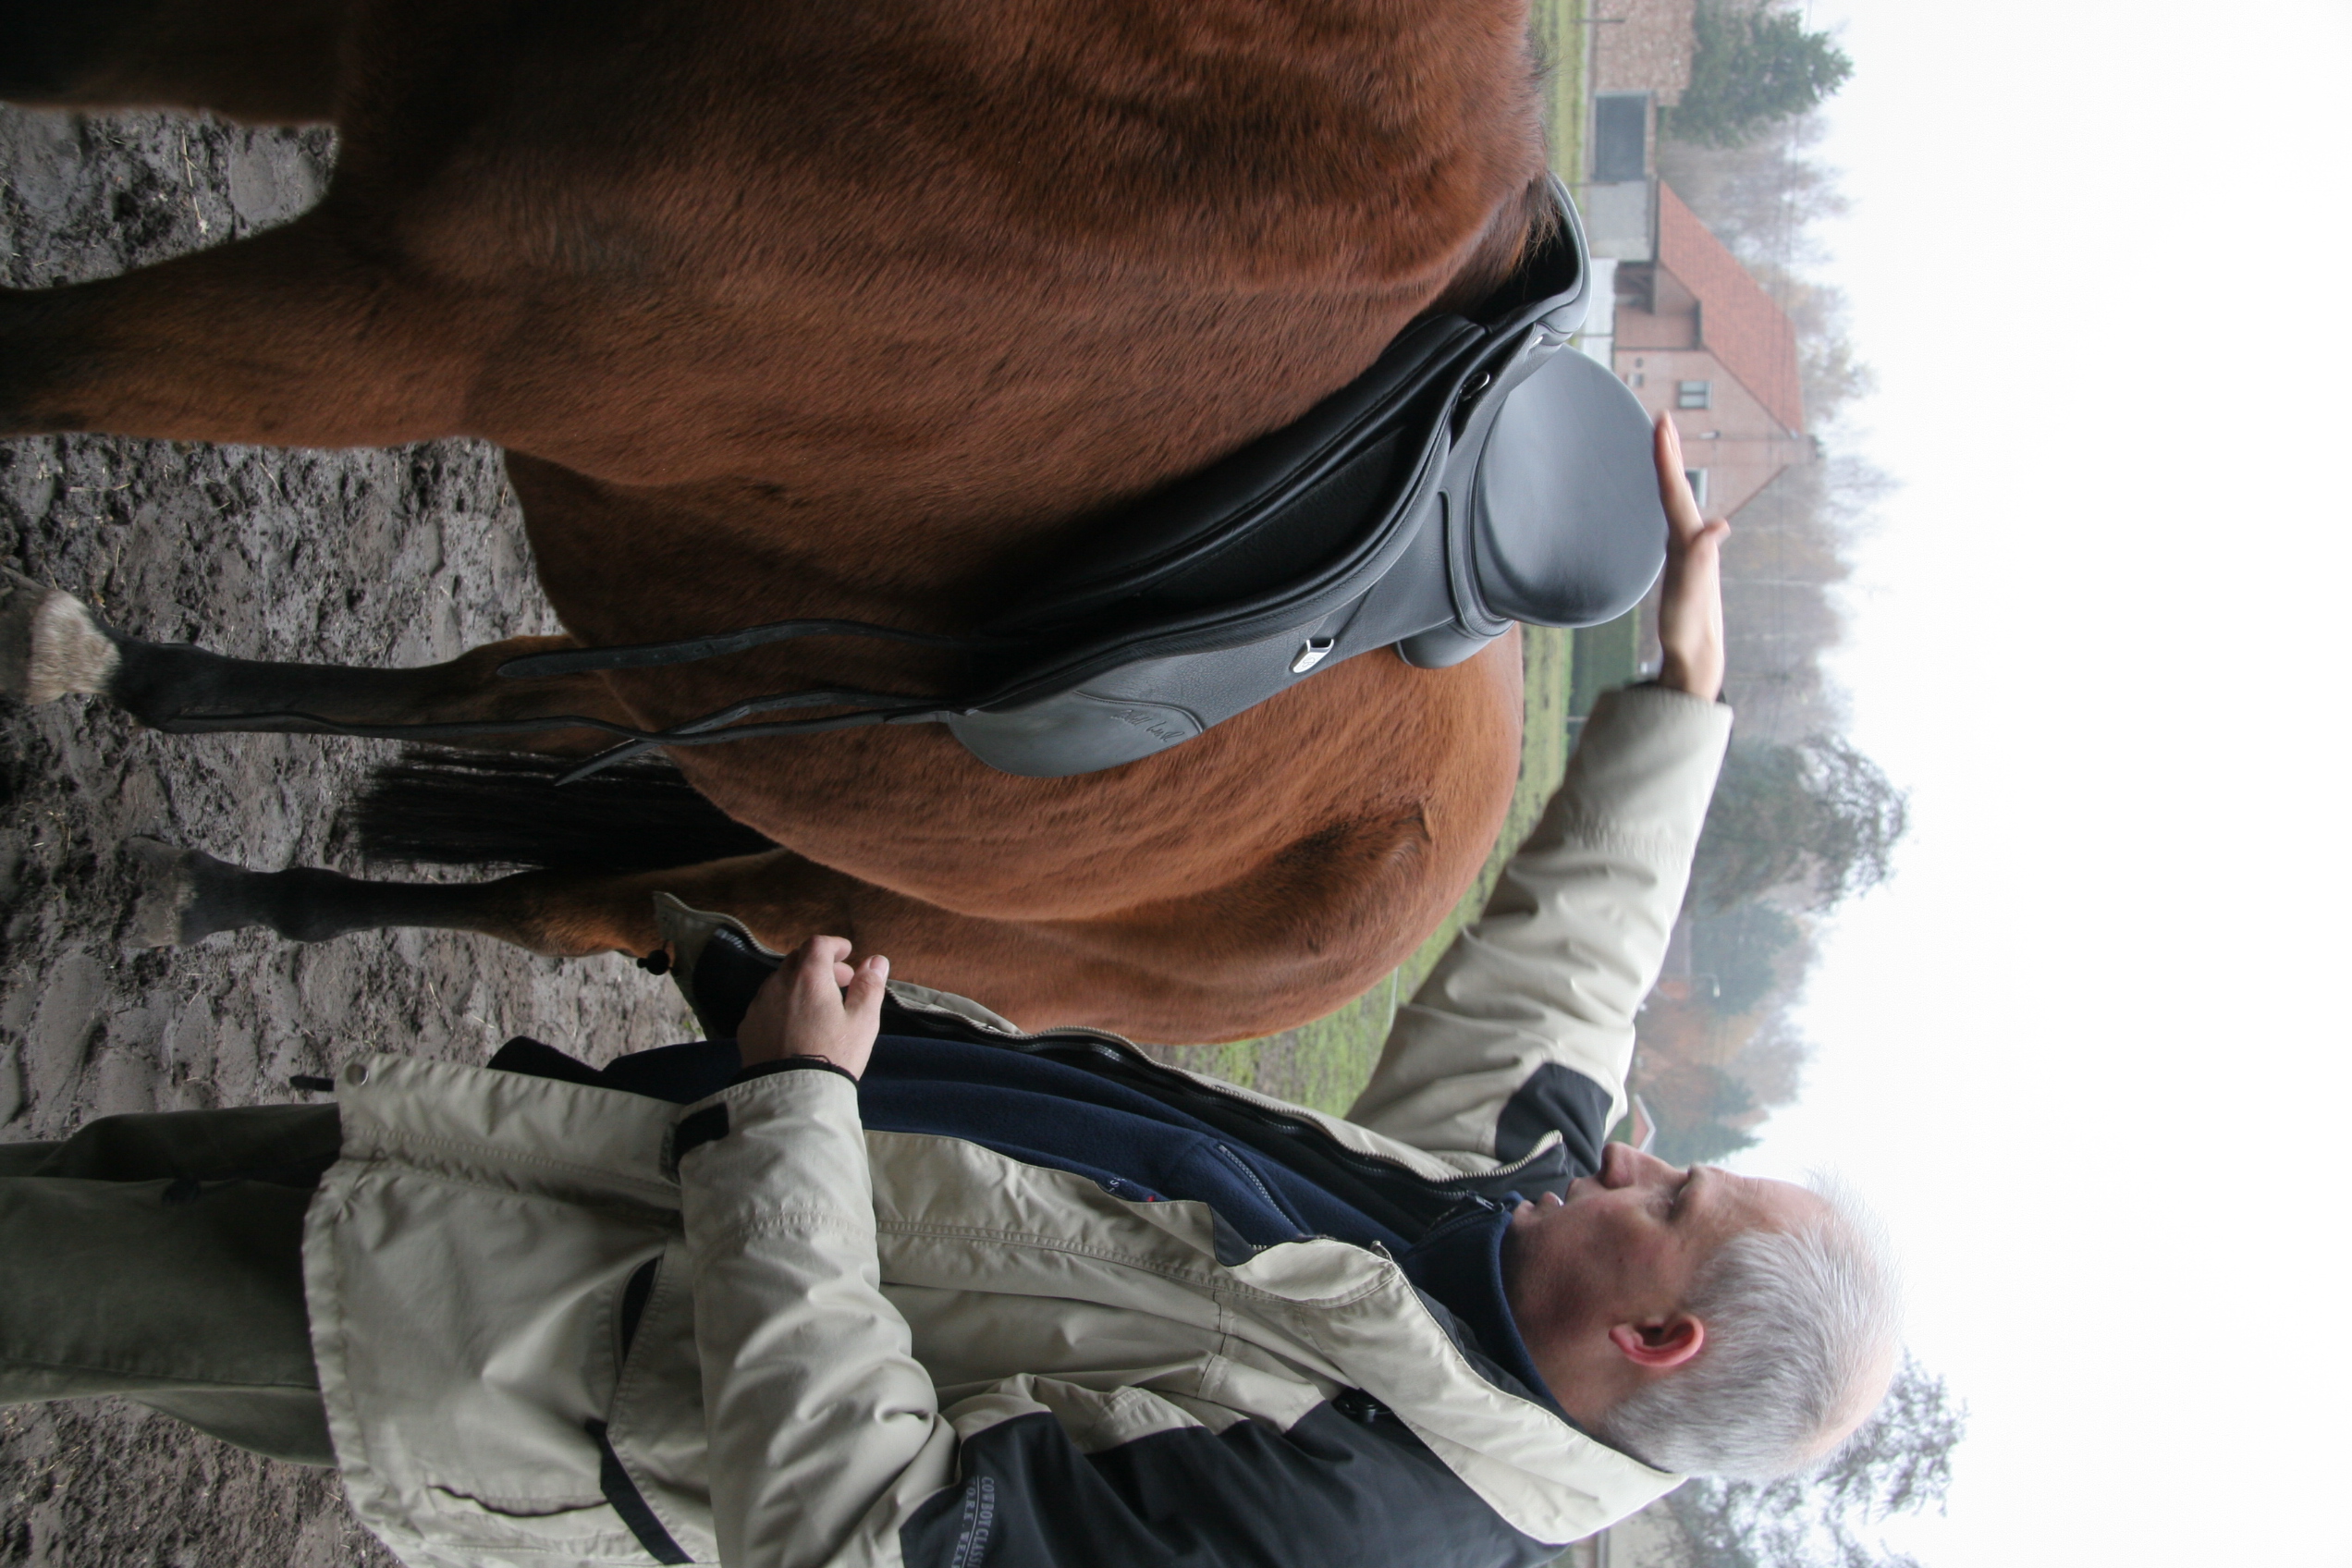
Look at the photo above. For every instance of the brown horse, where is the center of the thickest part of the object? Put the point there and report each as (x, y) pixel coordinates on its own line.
(820, 309)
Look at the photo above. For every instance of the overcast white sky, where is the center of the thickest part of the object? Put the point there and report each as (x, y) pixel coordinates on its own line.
(2089, 1049)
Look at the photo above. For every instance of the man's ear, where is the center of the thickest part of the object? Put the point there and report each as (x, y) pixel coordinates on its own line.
(1657, 1346)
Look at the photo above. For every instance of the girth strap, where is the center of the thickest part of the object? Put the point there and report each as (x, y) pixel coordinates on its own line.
(714, 728)
(885, 707)
(711, 728)
(687, 650)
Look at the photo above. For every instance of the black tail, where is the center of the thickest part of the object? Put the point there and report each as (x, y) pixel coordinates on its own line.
(468, 808)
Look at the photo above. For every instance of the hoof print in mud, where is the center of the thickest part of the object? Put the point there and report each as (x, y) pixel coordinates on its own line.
(50, 644)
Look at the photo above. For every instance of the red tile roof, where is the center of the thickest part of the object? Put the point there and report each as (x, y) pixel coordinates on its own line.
(1738, 323)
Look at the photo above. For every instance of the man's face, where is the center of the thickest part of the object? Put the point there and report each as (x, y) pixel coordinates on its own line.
(1627, 1245)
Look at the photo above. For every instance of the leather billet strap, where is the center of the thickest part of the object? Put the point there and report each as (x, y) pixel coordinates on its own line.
(712, 729)
(688, 650)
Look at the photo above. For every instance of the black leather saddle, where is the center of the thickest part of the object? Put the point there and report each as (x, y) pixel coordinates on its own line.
(1480, 473)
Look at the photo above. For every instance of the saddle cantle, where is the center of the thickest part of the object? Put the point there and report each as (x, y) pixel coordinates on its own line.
(1477, 475)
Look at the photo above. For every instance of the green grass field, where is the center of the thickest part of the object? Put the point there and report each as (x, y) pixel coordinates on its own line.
(1560, 34)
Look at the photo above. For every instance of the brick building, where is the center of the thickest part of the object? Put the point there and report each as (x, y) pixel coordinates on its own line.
(1696, 334)
(1642, 46)
(1676, 316)
(1639, 62)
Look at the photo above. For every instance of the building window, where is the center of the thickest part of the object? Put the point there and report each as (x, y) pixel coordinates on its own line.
(1698, 477)
(1621, 137)
(1694, 394)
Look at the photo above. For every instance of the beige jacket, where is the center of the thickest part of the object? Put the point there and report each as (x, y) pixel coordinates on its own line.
(545, 1337)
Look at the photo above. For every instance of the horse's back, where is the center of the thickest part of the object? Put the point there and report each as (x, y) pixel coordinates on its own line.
(1045, 250)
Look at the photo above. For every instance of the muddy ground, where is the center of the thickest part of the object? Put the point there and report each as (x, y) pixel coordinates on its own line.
(366, 557)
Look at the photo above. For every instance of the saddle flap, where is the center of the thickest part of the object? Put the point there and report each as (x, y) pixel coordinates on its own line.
(1564, 524)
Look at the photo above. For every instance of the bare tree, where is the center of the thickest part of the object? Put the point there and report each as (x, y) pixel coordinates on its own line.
(1899, 1462)
(1813, 823)
(1802, 820)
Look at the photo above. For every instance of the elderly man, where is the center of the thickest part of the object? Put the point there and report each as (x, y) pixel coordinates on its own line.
(969, 1297)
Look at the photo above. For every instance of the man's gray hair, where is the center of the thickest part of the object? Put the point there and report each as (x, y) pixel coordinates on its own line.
(1801, 1326)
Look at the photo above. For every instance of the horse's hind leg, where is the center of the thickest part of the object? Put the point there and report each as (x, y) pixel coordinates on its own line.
(51, 644)
(292, 337)
(266, 61)
(189, 895)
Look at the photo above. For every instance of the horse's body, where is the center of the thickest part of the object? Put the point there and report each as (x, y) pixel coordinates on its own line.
(839, 311)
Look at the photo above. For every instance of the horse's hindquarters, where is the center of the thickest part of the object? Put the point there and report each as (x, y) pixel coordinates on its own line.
(1294, 853)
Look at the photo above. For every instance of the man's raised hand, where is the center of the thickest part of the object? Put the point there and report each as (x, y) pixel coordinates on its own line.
(1690, 603)
(817, 1005)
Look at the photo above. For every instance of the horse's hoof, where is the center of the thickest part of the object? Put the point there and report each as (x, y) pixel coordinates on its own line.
(50, 644)
(186, 894)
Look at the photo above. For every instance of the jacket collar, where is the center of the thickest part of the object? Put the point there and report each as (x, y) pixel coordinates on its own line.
(1533, 1466)
(1459, 1265)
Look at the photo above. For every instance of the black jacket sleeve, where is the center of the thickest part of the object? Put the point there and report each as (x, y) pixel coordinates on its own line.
(1346, 1486)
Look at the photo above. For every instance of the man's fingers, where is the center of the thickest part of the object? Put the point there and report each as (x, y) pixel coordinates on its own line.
(863, 995)
(817, 966)
(1673, 486)
(826, 949)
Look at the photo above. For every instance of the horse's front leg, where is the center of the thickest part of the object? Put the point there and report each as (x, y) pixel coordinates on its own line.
(1039, 972)
(1193, 971)
(290, 338)
(188, 896)
(51, 644)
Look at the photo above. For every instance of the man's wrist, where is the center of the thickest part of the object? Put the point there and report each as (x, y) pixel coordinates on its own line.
(791, 1064)
(1660, 683)
(1675, 674)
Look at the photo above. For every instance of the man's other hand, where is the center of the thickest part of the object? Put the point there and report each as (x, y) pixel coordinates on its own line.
(1690, 605)
(817, 1005)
